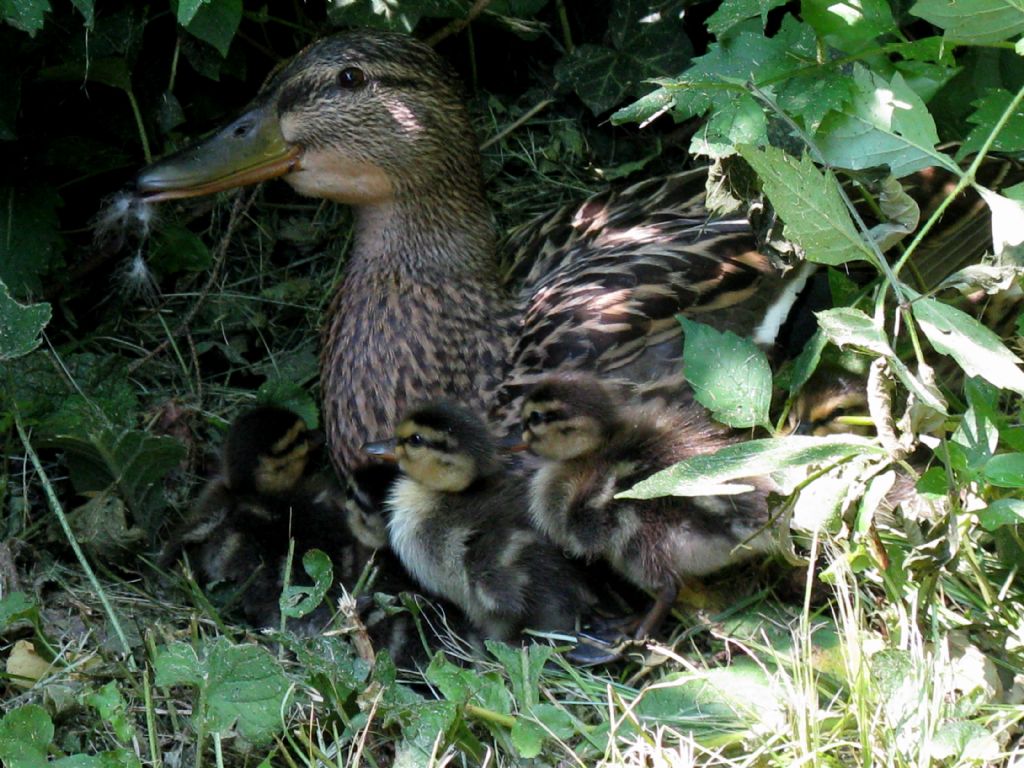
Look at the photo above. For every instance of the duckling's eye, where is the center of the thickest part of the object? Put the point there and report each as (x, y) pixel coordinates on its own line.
(351, 78)
(414, 439)
(535, 419)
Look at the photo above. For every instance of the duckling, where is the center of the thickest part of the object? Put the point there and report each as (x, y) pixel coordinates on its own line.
(825, 402)
(592, 445)
(459, 524)
(238, 533)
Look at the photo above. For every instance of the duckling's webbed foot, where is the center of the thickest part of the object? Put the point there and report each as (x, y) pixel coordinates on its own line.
(664, 601)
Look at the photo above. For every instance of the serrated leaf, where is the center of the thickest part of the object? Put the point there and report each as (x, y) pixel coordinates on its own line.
(30, 241)
(974, 21)
(885, 123)
(733, 12)
(177, 664)
(810, 205)
(977, 350)
(848, 326)
(26, 15)
(528, 738)
(729, 375)
(714, 472)
(809, 98)
(740, 121)
(20, 325)
(987, 111)
(1005, 470)
(850, 27)
(25, 735)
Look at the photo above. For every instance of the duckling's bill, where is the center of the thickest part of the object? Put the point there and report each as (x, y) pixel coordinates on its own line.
(246, 151)
(382, 449)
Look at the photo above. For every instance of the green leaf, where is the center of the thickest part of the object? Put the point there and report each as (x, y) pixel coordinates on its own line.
(885, 123)
(1007, 226)
(730, 375)
(178, 249)
(807, 362)
(296, 601)
(809, 203)
(216, 23)
(25, 735)
(241, 686)
(714, 473)
(112, 707)
(850, 27)
(1002, 512)
(20, 325)
(26, 15)
(286, 393)
(524, 667)
(30, 241)
(733, 12)
(86, 8)
(1005, 470)
(987, 111)
(974, 21)
(848, 326)
(187, 9)
(976, 349)
(17, 606)
(528, 738)
(740, 121)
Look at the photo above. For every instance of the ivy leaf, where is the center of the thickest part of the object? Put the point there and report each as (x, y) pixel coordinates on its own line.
(973, 21)
(20, 325)
(810, 205)
(715, 473)
(885, 123)
(215, 23)
(733, 12)
(30, 239)
(730, 375)
(26, 15)
(977, 350)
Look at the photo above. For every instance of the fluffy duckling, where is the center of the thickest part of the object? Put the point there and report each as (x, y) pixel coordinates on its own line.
(591, 447)
(825, 402)
(459, 524)
(238, 533)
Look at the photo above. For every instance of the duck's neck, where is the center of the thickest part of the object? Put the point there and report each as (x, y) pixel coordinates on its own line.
(420, 315)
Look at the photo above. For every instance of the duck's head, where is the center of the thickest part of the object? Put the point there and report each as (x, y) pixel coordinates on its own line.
(441, 446)
(358, 117)
(267, 451)
(568, 416)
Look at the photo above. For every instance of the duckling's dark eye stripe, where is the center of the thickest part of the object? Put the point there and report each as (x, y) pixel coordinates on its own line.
(437, 445)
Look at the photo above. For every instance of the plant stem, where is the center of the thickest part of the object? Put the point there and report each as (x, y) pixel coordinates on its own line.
(147, 695)
(58, 511)
(489, 716)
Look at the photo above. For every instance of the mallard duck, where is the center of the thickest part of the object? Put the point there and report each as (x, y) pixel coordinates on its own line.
(238, 534)
(592, 445)
(376, 120)
(458, 522)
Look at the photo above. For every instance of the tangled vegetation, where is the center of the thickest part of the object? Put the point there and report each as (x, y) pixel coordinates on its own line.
(130, 337)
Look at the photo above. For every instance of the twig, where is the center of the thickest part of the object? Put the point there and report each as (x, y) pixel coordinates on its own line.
(457, 25)
(58, 511)
(242, 203)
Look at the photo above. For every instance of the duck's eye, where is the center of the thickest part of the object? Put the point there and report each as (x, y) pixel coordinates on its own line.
(414, 439)
(351, 78)
(535, 419)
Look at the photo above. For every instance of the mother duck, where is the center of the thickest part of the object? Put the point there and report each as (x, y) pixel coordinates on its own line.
(427, 306)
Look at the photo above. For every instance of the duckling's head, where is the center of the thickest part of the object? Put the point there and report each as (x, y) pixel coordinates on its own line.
(825, 400)
(359, 117)
(568, 416)
(441, 446)
(267, 450)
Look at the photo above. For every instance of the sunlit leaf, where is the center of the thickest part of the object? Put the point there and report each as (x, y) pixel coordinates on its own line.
(974, 21)
(1002, 512)
(809, 203)
(846, 325)
(1006, 470)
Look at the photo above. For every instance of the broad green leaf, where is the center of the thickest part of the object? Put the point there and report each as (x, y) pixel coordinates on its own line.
(850, 27)
(30, 241)
(20, 325)
(807, 362)
(17, 606)
(974, 21)
(216, 23)
(1002, 512)
(177, 249)
(187, 9)
(810, 205)
(703, 475)
(426, 734)
(740, 121)
(25, 735)
(26, 15)
(732, 12)
(810, 97)
(296, 600)
(730, 375)
(1006, 470)
(242, 686)
(848, 326)
(87, 9)
(976, 349)
(885, 123)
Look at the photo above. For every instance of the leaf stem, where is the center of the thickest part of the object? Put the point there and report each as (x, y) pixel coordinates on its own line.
(58, 511)
(490, 716)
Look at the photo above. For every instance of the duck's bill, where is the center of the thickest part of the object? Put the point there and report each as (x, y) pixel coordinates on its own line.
(248, 150)
(382, 449)
(513, 444)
